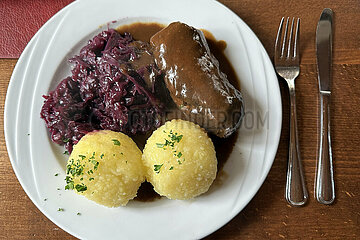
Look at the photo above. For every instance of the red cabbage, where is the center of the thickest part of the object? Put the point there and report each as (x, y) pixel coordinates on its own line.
(104, 91)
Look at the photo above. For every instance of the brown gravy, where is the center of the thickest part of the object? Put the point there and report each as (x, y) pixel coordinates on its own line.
(223, 146)
(141, 31)
(217, 47)
(144, 31)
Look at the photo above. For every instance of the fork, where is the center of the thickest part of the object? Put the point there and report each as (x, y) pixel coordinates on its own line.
(287, 65)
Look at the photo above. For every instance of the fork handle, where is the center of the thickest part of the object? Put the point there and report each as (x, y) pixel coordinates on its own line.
(295, 192)
(325, 189)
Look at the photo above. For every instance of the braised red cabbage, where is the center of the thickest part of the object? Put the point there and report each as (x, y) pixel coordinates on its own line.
(104, 91)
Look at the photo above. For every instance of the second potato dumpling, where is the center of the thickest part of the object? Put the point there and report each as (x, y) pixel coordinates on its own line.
(105, 167)
(180, 160)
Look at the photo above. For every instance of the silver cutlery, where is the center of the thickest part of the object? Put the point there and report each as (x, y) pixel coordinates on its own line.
(287, 65)
(324, 188)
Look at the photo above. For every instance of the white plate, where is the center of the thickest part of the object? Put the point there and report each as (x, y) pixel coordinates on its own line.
(36, 159)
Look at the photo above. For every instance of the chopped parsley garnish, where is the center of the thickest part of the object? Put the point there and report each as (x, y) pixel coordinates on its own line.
(60, 210)
(28, 134)
(69, 183)
(65, 140)
(45, 199)
(171, 168)
(58, 189)
(168, 143)
(56, 174)
(69, 186)
(96, 165)
(116, 142)
(81, 187)
(77, 169)
(66, 153)
(157, 168)
(78, 214)
(92, 157)
(174, 138)
(160, 145)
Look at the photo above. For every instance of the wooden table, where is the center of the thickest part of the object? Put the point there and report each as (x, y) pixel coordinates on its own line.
(267, 216)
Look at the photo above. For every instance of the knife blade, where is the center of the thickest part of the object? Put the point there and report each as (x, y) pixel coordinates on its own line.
(325, 186)
(324, 49)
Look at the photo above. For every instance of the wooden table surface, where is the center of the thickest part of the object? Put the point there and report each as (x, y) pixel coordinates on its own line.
(267, 216)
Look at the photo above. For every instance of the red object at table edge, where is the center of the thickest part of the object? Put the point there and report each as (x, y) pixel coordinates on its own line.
(21, 19)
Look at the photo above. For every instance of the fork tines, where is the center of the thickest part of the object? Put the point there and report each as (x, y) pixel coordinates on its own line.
(291, 48)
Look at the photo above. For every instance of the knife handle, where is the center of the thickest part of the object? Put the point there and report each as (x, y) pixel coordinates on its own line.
(325, 187)
(295, 192)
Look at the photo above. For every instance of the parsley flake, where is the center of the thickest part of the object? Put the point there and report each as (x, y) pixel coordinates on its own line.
(157, 168)
(61, 210)
(174, 138)
(171, 168)
(69, 183)
(116, 142)
(92, 157)
(160, 145)
(69, 186)
(80, 187)
(96, 165)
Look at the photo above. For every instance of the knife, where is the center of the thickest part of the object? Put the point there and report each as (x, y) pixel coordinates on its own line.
(325, 187)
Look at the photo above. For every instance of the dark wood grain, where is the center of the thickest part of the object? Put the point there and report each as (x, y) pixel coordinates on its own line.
(267, 216)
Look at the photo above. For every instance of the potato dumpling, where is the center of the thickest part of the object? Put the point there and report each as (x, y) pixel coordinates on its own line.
(180, 160)
(105, 167)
